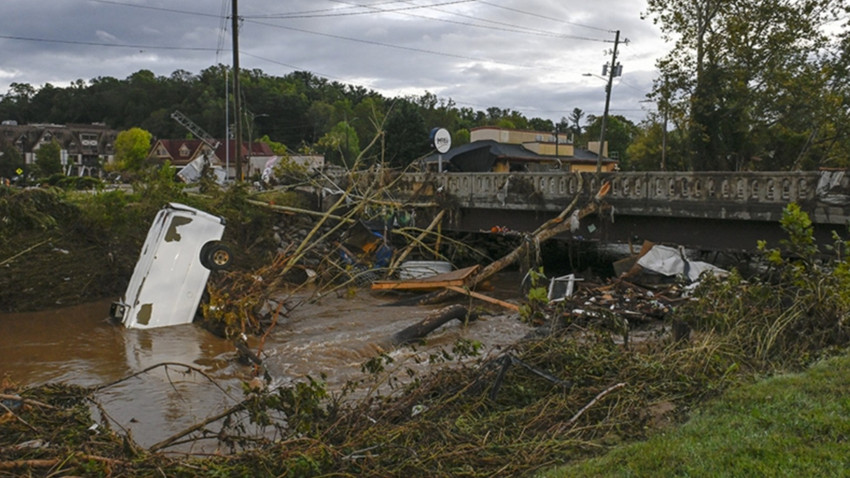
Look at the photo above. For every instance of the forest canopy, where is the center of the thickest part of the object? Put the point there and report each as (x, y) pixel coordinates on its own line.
(304, 112)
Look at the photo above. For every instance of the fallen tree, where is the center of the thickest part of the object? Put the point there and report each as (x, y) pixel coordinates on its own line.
(432, 322)
(565, 221)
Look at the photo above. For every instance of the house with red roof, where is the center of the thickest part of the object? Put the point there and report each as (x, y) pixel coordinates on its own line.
(181, 152)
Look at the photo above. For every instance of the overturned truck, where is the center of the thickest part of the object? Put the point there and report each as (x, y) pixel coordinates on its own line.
(182, 246)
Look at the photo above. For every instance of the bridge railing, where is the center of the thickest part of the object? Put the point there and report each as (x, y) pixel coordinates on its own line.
(740, 187)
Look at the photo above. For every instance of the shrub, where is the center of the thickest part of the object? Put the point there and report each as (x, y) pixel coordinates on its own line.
(794, 313)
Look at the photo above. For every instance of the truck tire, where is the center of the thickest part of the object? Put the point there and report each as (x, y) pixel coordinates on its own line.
(216, 256)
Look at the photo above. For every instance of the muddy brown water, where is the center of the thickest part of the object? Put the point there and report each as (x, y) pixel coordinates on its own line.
(332, 337)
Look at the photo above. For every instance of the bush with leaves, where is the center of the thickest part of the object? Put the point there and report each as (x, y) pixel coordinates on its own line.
(796, 312)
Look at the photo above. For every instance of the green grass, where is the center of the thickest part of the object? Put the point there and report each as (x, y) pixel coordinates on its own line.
(788, 425)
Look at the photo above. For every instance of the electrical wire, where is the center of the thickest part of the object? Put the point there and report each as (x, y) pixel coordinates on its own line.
(147, 7)
(505, 27)
(537, 15)
(330, 12)
(224, 12)
(398, 47)
(373, 9)
(115, 45)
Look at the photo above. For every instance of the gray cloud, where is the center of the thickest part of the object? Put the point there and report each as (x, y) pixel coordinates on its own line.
(528, 56)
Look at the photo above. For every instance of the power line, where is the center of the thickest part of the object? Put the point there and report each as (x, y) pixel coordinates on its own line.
(330, 12)
(161, 9)
(372, 9)
(307, 12)
(222, 28)
(294, 67)
(114, 45)
(398, 47)
(511, 27)
(544, 17)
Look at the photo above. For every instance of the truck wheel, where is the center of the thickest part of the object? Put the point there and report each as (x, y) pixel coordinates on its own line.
(215, 256)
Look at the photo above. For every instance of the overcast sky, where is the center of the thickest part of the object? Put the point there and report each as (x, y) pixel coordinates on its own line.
(525, 55)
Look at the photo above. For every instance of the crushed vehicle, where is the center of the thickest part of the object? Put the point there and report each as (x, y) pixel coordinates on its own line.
(182, 246)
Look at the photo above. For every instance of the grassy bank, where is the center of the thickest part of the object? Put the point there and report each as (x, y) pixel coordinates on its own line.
(787, 425)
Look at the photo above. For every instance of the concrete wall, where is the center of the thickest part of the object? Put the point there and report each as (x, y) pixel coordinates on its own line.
(747, 196)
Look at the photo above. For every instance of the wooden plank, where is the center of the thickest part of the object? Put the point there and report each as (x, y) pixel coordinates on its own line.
(408, 285)
(439, 281)
(483, 297)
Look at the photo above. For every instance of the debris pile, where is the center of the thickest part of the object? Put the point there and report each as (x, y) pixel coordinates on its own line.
(648, 288)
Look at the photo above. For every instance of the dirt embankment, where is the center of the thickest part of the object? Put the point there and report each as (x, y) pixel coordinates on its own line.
(57, 268)
(54, 253)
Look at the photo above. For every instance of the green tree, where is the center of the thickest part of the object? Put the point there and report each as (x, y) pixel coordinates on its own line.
(131, 148)
(340, 145)
(619, 134)
(645, 151)
(540, 124)
(369, 117)
(753, 77)
(17, 103)
(460, 137)
(48, 158)
(279, 149)
(10, 159)
(406, 134)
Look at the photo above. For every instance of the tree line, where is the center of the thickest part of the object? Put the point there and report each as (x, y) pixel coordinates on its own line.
(303, 112)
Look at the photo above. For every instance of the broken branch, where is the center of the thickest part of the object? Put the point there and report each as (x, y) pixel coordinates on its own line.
(598, 397)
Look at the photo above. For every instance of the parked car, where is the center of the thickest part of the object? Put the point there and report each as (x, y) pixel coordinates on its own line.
(182, 246)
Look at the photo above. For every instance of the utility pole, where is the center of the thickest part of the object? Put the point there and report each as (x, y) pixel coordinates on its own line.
(612, 68)
(237, 101)
(666, 106)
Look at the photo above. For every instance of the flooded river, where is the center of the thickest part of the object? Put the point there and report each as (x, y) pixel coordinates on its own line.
(332, 337)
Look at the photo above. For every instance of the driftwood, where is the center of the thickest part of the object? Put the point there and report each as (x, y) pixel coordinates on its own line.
(551, 228)
(545, 232)
(51, 462)
(430, 323)
(28, 249)
(598, 397)
(485, 298)
(417, 241)
(507, 360)
(26, 401)
(438, 281)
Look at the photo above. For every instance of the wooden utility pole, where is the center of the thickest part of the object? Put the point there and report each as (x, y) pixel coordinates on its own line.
(611, 69)
(237, 99)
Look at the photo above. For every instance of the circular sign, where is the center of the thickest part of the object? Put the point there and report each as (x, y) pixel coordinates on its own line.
(441, 139)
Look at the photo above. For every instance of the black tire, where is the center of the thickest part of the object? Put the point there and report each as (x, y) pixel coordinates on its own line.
(216, 256)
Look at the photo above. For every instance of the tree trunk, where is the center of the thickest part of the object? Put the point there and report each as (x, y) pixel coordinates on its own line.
(430, 323)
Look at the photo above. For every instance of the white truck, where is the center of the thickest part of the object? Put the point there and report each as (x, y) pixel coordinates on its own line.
(182, 247)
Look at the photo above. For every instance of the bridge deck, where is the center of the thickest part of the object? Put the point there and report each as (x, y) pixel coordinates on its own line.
(710, 210)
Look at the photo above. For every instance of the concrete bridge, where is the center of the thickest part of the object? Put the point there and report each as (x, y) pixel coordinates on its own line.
(706, 210)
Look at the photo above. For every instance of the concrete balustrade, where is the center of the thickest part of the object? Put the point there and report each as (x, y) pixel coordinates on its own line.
(710, 210)
(759, 196)
(777, 187)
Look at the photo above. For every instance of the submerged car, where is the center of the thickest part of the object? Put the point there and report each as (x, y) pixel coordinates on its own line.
(182, 246)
